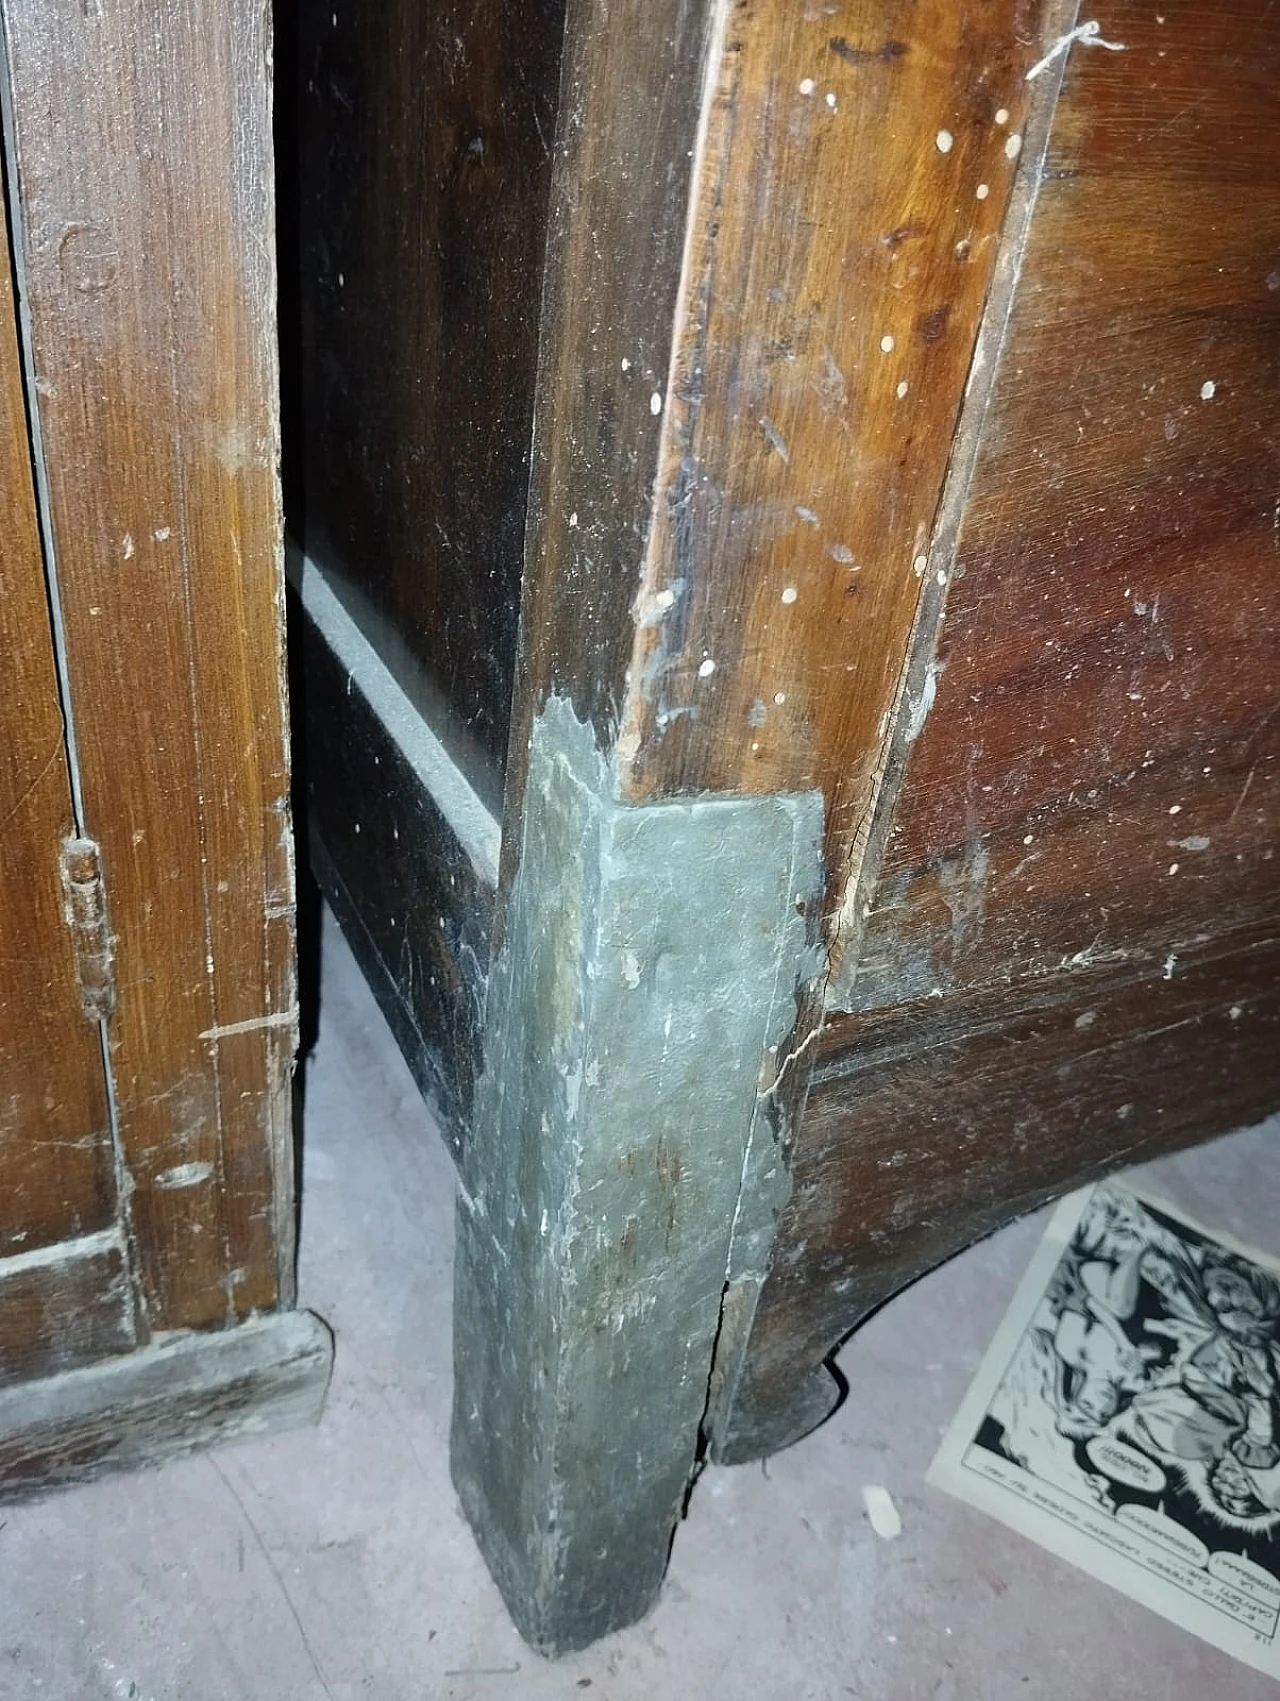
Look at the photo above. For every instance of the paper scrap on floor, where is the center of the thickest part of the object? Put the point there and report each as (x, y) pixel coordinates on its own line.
(1127, 1417)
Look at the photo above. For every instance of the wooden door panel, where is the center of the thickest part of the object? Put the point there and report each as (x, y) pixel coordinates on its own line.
(142, 154)
(57, 1175)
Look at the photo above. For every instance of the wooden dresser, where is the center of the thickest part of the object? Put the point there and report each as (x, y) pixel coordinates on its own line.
(789, 496)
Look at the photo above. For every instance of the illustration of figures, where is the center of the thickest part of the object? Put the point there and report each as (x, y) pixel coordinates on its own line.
(1098, 1367)
(1221, 1413)
(1127, 1416)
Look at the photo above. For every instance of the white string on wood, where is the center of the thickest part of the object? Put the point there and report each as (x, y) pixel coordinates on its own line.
(1088, 35)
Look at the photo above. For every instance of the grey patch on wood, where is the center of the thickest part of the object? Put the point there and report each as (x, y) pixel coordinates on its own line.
(652, 957)
(188, 1391)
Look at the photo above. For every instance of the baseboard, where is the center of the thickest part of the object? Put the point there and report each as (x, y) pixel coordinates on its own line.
(191, 1391)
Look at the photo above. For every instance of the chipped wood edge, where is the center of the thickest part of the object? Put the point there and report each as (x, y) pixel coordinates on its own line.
(186, 1392)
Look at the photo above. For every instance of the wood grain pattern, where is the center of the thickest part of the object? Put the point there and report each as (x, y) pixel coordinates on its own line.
(142, 151)
(632, 84)
(1069, 958)
(855, 174)
(1097, 774)
(424, 152)
(933, 1123)
(66, 1308)
(56, 1168)
(190, 1391)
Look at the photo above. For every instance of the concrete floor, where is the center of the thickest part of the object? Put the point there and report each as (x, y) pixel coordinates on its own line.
(334, 1562)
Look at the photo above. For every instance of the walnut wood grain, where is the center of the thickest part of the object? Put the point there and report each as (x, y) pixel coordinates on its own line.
(1069, 958)
(142, 152)
(1097, 775)
(933, 1123)
(853, 178)
(57, 1176)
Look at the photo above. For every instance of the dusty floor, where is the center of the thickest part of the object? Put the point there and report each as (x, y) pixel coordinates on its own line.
(334, 1563)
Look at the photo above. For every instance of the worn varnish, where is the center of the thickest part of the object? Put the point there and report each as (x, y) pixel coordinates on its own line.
(141, 151)
(57, 1177)
(1071, 932)
(932, 1124)
(65, 1307)
(854, 175)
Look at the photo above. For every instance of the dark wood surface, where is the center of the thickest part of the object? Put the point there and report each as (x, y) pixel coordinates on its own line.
(190, 1391)
(931, 1124)
(409, 898)
(58, 1176)
(423, 152)
(1098, 772)
(854, 176)
(63, 1311)
(621, 194)
(142, 155)
(1068, 959)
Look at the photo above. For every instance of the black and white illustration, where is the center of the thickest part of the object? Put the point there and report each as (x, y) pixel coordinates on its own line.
(1127, 1416)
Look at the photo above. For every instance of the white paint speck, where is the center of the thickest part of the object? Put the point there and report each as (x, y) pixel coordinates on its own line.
(1175, 809)
(1173, 868)
(626, 364)
(982, 191)
(342, 280)
(790, 594)
(807, 515)
(919, 564)
(1002, 117)
(184, 1175)
(886, 344)
(902, 389)
(162, 534)
(707, 668)
(1029, 839)
(630, 970)
(1170, 964)
(831, 101)
(129, 551)
(842, 553)
(1207, 390)
(1013, 147)
(779, 698)
(655, 402)
(1235, 1012)
(806, 85)
(941, 576)
(944, 141)
(573, 520)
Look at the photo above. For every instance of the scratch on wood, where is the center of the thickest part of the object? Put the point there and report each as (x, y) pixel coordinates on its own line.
(254, 1024)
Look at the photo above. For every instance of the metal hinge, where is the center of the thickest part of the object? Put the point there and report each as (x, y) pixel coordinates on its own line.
(86, 911)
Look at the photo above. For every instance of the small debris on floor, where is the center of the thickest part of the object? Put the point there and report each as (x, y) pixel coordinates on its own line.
(882, 1514)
